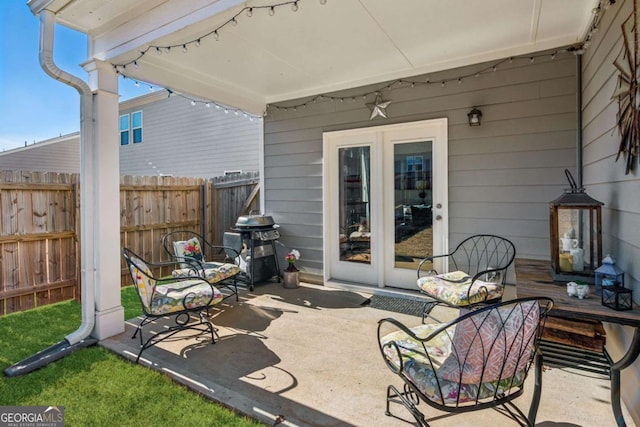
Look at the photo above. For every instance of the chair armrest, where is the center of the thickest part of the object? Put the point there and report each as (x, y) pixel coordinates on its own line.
(229, 251)
(427, 259)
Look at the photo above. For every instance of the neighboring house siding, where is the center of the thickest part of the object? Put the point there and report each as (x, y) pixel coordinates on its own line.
(190, 140)
(56, 155)
(179, 139)
(605, 179)
(502, 174)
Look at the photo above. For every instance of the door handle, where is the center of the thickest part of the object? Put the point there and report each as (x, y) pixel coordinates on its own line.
(438, 217)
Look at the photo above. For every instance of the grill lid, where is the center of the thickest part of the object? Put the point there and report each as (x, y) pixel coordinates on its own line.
(255, 221)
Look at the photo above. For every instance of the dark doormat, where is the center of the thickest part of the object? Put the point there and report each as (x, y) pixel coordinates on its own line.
(398, 305)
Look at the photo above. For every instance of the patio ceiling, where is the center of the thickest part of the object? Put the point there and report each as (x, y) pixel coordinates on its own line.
(271, 57)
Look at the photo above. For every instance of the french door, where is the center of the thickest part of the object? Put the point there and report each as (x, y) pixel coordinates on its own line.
(385, 201)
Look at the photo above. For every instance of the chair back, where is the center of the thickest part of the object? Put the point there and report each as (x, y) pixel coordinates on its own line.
(185, 245)
(478, 360)
(142, 277)
(483, 254)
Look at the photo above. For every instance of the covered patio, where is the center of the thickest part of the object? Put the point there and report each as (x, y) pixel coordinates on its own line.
(542, 72)
(309, 357)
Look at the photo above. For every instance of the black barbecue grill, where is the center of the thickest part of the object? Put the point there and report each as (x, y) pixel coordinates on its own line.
(259, 233)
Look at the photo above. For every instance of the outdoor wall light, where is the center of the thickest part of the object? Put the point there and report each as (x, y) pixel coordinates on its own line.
(474, 117)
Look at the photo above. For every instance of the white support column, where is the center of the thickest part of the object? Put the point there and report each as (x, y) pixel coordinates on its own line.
(104, 167)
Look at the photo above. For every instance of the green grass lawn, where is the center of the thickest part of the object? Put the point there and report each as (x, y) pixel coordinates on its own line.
(97, 387)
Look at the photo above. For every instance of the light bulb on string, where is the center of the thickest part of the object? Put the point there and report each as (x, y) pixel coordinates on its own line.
(184, 48)
(198, 43)
(234, 22)
(193, 103)
(272, 11)
(294, 6)
(250, 12)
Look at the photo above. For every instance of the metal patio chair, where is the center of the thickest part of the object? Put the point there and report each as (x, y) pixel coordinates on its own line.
(475, 273)
(195, 256)
(176, 297)
(479, 360)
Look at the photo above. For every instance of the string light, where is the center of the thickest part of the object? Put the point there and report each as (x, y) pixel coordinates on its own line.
(247, 11)
(215, 32)
(194, 102)
(425, 82)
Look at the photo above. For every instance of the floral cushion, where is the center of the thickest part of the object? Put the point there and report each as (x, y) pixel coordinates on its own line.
(360, 236)
(424, 369)
(453, 287)
(492, 345)
(177, 296)
(173, 296)
(188, 248)
(214, 271)
(143, 281)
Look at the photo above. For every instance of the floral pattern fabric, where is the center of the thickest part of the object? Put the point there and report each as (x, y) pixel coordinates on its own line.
(187, 294)
(169, 297)
(214, 272)
(422, 365)
(453, 287)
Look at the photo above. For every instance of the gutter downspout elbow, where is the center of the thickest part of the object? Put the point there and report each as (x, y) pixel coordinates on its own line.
(88, 273)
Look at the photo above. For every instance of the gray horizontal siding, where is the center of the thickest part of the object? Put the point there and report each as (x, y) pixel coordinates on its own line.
(191, 141)
(502, 174)
(62, 156)
(605, 180)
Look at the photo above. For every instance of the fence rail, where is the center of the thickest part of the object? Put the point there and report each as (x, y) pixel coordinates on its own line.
(40, 226)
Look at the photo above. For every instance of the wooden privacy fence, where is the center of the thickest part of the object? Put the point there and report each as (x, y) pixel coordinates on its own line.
(40, 225)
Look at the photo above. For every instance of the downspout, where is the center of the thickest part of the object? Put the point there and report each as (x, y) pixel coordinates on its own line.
(579, 119)
(79, 338)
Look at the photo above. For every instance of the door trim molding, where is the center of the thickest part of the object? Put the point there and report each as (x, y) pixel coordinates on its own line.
(436, 129)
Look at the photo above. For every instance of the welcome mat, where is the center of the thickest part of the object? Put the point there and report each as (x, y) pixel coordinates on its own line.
(398, 305)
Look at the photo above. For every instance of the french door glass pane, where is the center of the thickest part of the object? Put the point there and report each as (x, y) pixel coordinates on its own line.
(355, 180)
(413, 198)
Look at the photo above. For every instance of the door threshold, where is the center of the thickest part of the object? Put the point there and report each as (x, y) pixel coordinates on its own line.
(374, 290)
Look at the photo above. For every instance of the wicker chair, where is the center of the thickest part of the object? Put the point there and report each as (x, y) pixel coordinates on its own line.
(476, 273)
(195, 255)
(477, 361)
(177, 297)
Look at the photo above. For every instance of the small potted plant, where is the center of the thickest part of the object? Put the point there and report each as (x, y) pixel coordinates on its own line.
(291, 273)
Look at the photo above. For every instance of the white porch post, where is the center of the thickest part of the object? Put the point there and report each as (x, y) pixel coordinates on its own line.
(104, 238)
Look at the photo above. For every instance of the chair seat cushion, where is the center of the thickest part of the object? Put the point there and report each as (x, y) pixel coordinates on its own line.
(214, 271)
(178, 296)
(423, 369)
(453, 288)
(360, 236)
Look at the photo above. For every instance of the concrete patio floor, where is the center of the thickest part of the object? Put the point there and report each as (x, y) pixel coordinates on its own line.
(309, 355)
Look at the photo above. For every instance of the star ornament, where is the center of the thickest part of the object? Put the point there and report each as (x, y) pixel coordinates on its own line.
(378, 107)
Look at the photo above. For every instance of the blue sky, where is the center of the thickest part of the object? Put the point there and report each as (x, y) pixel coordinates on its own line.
(33, 106)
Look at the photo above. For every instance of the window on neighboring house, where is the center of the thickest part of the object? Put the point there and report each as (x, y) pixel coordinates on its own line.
(136, 126)
(124, 129)
(131, 128)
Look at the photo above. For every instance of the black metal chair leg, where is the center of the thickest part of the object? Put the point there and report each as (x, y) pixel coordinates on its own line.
(537, 390)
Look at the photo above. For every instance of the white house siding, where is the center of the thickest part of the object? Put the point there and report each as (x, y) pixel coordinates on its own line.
(61, 154)
(190, 140)
(605, 179)
(502, 174)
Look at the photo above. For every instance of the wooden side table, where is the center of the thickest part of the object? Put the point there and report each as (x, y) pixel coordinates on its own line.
(533, 279)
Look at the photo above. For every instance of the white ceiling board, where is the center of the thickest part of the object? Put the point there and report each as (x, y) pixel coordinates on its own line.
(319, 48)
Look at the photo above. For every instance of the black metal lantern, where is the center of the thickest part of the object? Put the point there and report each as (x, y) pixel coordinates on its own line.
(575, 225)
(474, 116)
(617, 297)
